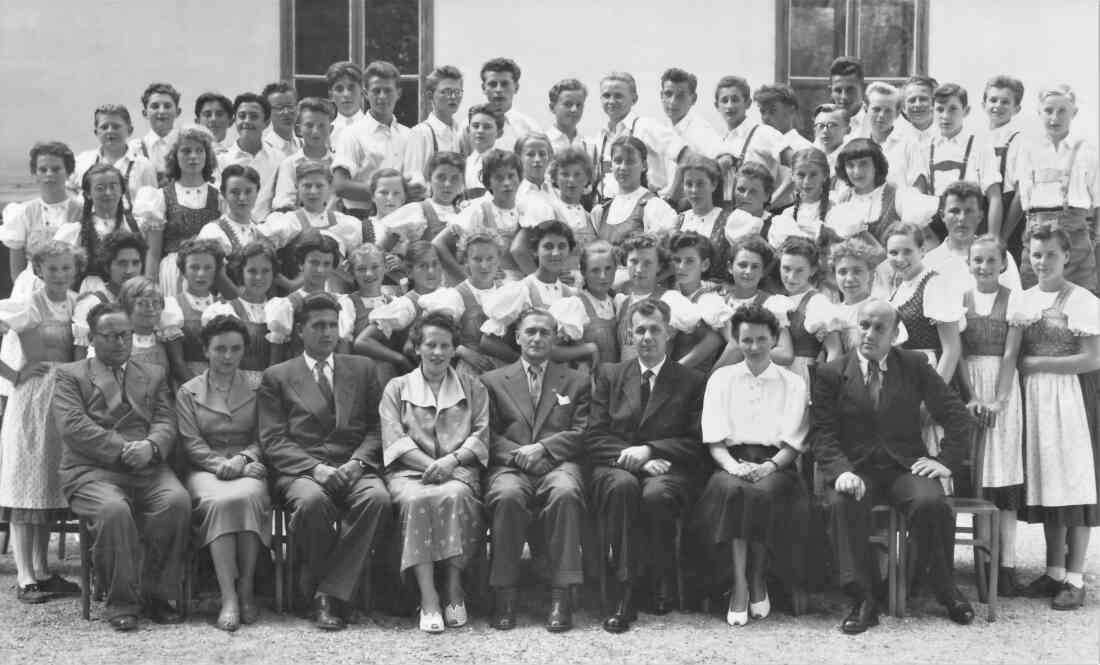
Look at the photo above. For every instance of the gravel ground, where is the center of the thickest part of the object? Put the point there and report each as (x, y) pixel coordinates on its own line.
(1027, 631)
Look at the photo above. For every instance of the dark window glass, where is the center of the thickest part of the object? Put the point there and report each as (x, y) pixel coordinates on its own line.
(321, 29)
(816, 35)
(392, 32)
(886, 38)
(311, 88)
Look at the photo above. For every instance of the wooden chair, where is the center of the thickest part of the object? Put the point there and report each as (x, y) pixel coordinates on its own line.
(678, 542)
(984, 533)
(894, 541)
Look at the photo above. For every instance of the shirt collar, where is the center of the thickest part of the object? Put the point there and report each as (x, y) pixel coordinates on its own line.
(419, 393)
(436, 123)
(742, 370)
(372, 125)
(656, 369)
(527, 366)
(311, 362)
(151, 138)
(741, 130)
(1064, 144)
(864, 362)
(958, 139)
(625, 123)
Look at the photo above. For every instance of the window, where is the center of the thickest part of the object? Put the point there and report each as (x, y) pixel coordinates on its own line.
(889, 36)
(317, 33)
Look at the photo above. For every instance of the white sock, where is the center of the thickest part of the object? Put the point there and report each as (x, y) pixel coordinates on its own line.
(1056, 573)
(1076, 579)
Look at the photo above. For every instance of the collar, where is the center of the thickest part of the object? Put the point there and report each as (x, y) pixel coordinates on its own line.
(1065, 144)
(419, 393)
(311, 363)
(237, 152)
(105, 368)
(864, 362)
(656, 369)
(151, 138)
(543, 366)
(555, 134)
(741, 130)
(437, 123)
(371, 125)
(624, 124)
(687, 121)
(958, 139)
(632, 197)
(344, 121)
(741, 370)
(270, 136)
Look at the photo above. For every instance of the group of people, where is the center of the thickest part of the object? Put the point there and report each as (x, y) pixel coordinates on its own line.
(411, 338)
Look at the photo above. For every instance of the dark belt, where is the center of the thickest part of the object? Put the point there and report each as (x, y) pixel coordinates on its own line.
(752, 452)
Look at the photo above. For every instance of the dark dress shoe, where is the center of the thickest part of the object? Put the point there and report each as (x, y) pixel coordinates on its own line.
(560, 618)
(864, 615)
(326, 613)
(1069, 598)
(621, 618)
(662, 597)
(504, 609)
(161, 611)
(123, 623)
(57, 585)
(31, 594)
(1043, 586)
(958, 609)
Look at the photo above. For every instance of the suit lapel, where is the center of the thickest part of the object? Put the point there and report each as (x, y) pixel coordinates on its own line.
(309, 394)
(855, 386)
(343, 391)
(137, 387)
(520, 393)
(891, 380)
(663, 386)
(104, 381)
(551, 379)
(630, 387)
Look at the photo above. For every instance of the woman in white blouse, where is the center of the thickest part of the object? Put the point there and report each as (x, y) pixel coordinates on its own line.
(755, 500)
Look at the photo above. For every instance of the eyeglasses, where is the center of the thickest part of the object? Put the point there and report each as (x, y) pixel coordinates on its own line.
(117, 338)
(283, 109)
(148, 303)
(830, 126)
(450, 92)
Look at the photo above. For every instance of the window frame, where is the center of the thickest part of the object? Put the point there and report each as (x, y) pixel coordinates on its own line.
(357, 45)
(918, 63)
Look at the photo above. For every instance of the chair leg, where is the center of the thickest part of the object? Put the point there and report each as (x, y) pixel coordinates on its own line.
(799, 600)
(7, 536)
(994, 563)
(85, 572)
(680, 591)
(277, 550)
(903, 564)
(892, 572)
(60, 540)
(603, 574)
(981, 569)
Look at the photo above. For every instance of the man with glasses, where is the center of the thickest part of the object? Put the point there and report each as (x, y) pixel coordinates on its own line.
(279, 135)
(118, 427)
(441, 130)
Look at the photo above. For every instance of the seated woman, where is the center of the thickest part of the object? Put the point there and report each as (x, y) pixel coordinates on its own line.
(753, 499)
(225, 477)
(435, 444)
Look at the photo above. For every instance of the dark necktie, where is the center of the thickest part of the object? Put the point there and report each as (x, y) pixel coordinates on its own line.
(534, 383)
(120, 378)
(324, 384)
(646, 387)
(874, 381)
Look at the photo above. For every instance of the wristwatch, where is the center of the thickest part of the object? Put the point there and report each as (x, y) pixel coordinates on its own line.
(362, 465)
(156, 452)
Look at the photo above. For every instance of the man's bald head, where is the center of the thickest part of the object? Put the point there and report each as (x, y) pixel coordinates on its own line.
(878, 328)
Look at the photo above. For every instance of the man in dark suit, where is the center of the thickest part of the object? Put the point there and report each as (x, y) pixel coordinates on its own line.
(645, 451)
(319, 431)
(868, 446)
(539, 411)
(118, 427)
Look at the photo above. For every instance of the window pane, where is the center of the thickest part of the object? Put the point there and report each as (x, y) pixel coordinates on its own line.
(408, 107)
(809, 95)
(321, 30)
(393, 33)
(311, 88)
(886, 37)
(817, 35)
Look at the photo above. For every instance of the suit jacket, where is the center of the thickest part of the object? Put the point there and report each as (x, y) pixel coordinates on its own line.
(297, 429)
(210, 434)
(96, 424)
(558, 423)
(669, 423)
(847, 427)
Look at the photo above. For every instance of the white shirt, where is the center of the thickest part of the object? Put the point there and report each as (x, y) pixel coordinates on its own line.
(771, 407)
(286, 146)
(245, 233)
(140, 169)
(286, 179)
(282, 228)
(952, 267)
(425, 139)
(902, 153)
(765, 146)
(311, 362)
(656, 369)
(704, 225)
(266, 162)
(794, 141)
(662, 145)
(516, 126)
(473, 170)
(155, 147)
(1043, 171)
(559, 141)
(864, 362)
(656, 216)
(341, 123)
(699, 135)
(367, 146)
(981, 166)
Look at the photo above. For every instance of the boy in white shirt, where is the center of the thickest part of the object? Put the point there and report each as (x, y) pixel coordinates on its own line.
(252, 113)
(832, 129)
(377, 141)
(778, 108)
(160, 104)
(567, 98)
(744, 139)
(113, 127)
(678, 97)
(315, 116)
(500, 83)
(1001, 101)
(279, 134)
(916, 102)
(345, 89)
(440, 131)
(618, 95)
(846, 86)
(215, 112)
(484, 127)
(899, 146)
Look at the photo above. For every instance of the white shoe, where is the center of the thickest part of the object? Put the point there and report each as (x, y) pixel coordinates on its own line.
(762, 609)
(735, 618)
(455, 615)
(431, 622)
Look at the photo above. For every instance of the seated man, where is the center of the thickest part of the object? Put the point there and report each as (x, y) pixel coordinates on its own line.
(867, 441)
(645, 451)
(319, 432)
(539, 411)
(118, 427)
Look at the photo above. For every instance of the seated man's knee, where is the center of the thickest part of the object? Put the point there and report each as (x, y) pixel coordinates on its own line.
(114, 512)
